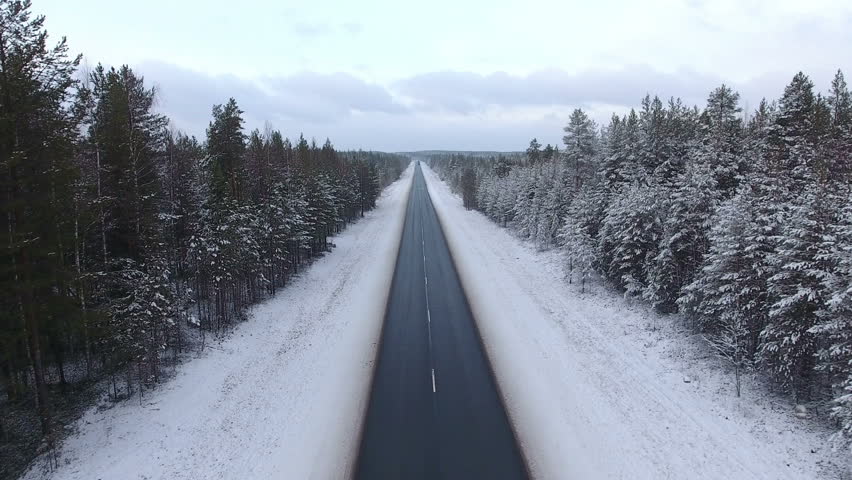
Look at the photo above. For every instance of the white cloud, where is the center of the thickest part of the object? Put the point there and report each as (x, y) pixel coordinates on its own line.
(445, 70)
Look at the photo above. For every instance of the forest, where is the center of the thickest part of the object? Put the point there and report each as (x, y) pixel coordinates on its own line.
(127, 242)
(739, 221)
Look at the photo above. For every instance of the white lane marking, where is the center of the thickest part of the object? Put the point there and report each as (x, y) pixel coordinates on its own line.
(428, 312)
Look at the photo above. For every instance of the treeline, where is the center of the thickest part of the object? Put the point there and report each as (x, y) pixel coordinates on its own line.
(121, 235)
(743, 223)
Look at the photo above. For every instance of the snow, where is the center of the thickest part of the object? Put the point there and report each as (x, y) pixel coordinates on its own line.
(283, 396)
(599, 387)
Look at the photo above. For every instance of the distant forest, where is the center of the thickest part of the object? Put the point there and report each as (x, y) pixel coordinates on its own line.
(124, 238)
(742, 223)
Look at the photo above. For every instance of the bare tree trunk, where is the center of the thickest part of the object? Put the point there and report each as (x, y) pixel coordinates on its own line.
(81, 287)
(6, 378)
(100, 198)
(34, 352)
(25, 299)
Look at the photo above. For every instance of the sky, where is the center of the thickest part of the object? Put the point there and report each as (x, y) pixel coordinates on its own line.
(396, 75)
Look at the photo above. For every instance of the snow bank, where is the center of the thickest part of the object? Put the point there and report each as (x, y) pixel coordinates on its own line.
(594, 392)
(283, 396)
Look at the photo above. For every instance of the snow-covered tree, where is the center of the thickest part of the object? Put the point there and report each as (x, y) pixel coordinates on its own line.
(692, 204)
(721, 144)
(733, 219)
(731, 343)
(579, 247)
(834, 328)
(534, 152)
(630, 236)
(802, 264)
(581, 143)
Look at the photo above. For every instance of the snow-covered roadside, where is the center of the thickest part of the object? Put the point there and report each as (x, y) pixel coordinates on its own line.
(594, 392)
(282, 397)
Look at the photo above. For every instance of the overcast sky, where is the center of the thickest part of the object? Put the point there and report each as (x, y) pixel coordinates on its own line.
(463, 74)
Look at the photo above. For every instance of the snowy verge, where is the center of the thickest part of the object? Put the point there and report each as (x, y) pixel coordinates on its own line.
(596, 387)
(283, 396)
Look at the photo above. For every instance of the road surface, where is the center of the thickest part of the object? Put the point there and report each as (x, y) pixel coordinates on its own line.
(434, 410)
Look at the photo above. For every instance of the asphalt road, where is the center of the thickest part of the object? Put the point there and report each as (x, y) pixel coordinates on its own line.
(434, 410)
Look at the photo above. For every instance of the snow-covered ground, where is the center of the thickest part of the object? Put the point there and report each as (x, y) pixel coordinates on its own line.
(597, 387)
(282, 397)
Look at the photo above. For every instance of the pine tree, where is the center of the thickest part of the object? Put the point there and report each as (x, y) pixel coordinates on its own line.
(36, 135)
(258, 168)
(127, 139)
(630, 236)
(579, 233)
(835, 327)
(651, 134)
(502, 167)
(526, 209)
(710, 172)
(839, 146)
(613, 150)
(630, 154)
(580, 146)
(803, 264)
(130, 139)
(693, 202)
(729, 292)
(792, 136)
(468, 188)
(677, 138)
(182, 196)
(557, 193)
(735, 221)
(534, 152)
(721, 145)
(225, 146)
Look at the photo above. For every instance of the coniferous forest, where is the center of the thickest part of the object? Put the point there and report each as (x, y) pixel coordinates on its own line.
(740, 221)
(127, 242)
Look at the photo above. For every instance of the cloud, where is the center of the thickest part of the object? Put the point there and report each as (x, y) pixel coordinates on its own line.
(187, 96)
(352, 112)
(465, 92)
(311, 29)
(440, 109)
(315, 30)
(334, 90)
(352, 28)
